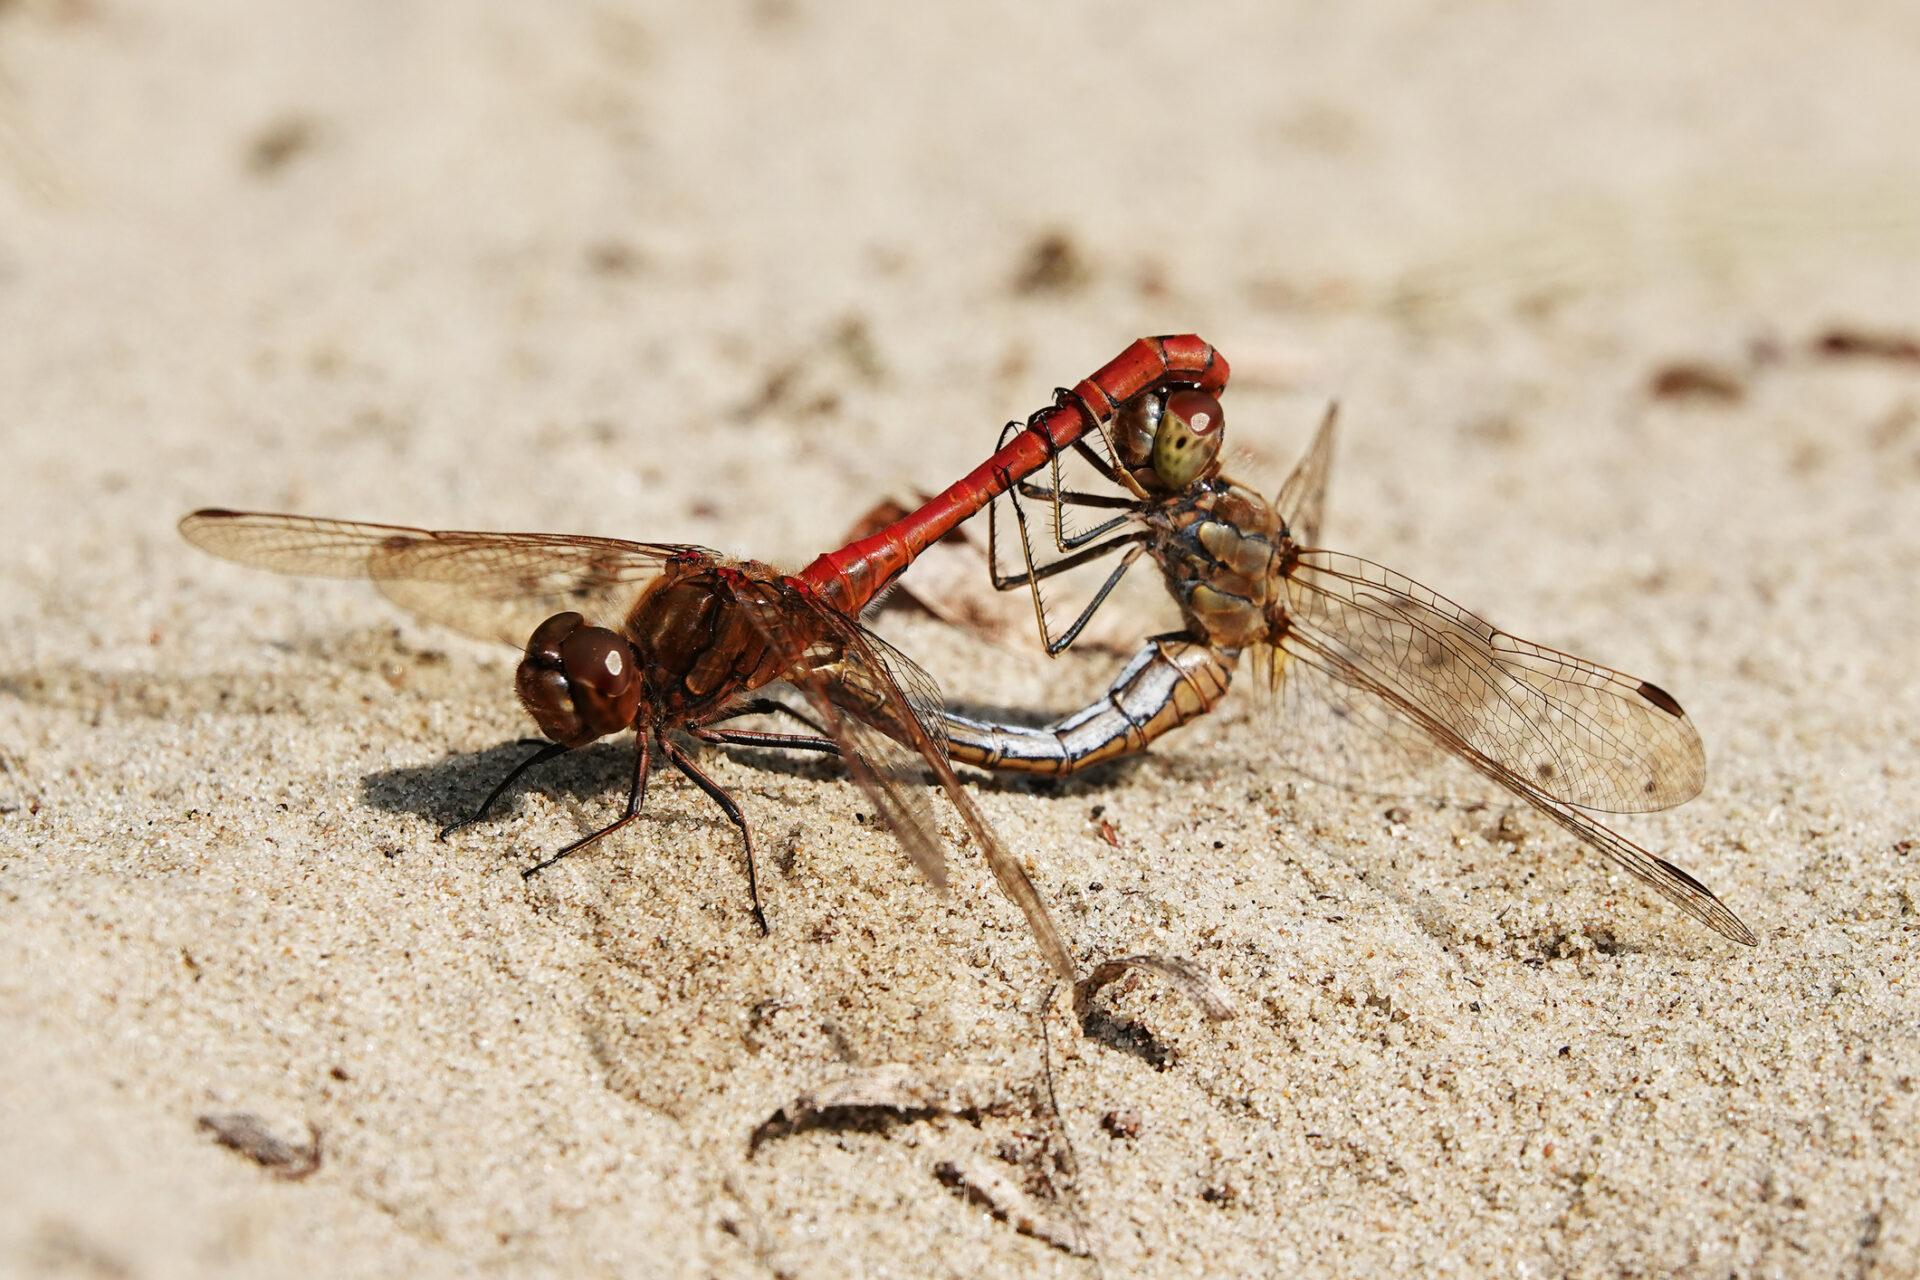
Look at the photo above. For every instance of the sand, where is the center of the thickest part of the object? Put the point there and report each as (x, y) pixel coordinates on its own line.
(1615, 307)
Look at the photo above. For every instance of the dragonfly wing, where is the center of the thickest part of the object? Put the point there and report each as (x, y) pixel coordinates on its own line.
(501, 586)
(1572, 730)
(1375, 724)
(1303, 497)
(493, 586)
(883, 670)
(879, 705)
(1552, 729)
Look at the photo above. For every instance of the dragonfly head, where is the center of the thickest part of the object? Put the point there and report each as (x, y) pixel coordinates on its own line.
(1169, 440)
(579, 682)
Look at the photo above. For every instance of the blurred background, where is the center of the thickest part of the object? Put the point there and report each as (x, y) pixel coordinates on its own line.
(616, 267)
(731, 276)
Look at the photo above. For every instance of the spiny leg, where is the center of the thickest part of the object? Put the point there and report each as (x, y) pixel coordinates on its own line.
(1034, 572)
(1056, 496)
(784, 741)
(766, 707)
(1108, 466)
(1056, 493)
(1072, 633)
(1059, 496)
(734, 815)
(1111, 470)
(1031, 580)
(1076, 498)
(642, 765)
(547, 751)
(818, 741)
(1013, 581)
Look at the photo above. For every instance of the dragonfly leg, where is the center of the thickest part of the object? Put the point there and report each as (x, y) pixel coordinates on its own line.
(1107, 471)
(1062, 540)
(1111, 471)
(1075, 498)
(1072, 633)
(1075, 541)
(1059, 497)
(642, 765)
(766, 707)
(547, 751)
(785, 741)
(1136, 544)
(748, 738)
(680, 761)
(1012, 581)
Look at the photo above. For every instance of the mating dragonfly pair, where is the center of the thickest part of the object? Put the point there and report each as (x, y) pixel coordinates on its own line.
(669, 639)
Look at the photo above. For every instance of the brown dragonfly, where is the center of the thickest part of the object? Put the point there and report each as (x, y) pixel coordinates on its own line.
(1349, 644)
(658, 638)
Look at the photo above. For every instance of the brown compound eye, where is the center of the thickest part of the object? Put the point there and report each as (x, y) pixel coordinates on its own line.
(579, 682)
(1187, 441)
(1134, 426)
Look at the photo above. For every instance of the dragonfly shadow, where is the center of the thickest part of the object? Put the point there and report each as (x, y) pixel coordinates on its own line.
(451, 788)
(1436, 782)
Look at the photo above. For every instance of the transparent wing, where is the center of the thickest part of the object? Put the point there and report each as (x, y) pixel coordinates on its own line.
(896, 673)
(878, 707)
(1569, 729)
(1366, 646)
(1303, 498)
(493, 586)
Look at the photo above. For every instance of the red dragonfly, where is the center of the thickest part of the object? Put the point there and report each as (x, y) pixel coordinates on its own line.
(853, 576)
(666, 637)
(1350, 644)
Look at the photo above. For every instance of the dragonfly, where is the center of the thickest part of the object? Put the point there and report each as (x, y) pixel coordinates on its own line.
(1349, 641)
(852, 577)
(665, 638)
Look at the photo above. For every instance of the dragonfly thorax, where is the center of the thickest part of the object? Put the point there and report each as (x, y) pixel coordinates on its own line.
(1217, 549)
(710, 636)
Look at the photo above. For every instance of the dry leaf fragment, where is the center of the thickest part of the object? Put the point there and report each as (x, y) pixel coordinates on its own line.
(1183, 975)
(1869, 344)
(1053, 264)
(975, 1179)
(245, 1132)
(1696, 380)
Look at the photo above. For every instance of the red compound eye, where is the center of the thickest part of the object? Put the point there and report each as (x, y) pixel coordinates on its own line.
(1187, 441)
(1200, 411)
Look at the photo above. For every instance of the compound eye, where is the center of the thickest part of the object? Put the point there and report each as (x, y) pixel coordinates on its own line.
(579, 682)
(1134, 427)
(1187, 441)
(599, 659)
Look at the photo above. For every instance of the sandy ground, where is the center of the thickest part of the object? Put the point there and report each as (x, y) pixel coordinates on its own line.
(1615, 307)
